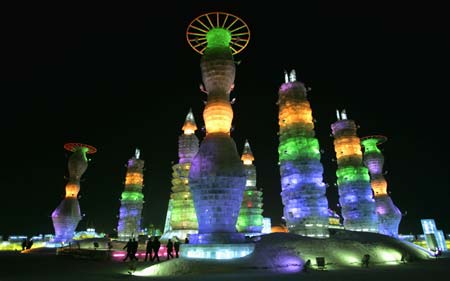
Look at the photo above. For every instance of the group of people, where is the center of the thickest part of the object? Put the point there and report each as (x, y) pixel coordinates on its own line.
(152, 249)
(153, 245)
(132, 247)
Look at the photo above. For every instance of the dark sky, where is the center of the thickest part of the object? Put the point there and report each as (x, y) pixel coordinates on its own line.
(121, 77)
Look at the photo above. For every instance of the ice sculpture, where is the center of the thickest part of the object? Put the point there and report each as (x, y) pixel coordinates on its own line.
(67, 215)
(132, 200)
(217, 176)
(389, 215)
(183, 219)
(355, 192)
(250, 219)
(303, 190)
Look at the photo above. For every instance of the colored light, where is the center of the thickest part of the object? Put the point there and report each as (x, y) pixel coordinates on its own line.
(218, 37)
(389, 215)
(355, 193)
(132, 200)
(303, 190)
(218, 116)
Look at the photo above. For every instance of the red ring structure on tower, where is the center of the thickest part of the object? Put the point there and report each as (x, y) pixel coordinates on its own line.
(72, 146)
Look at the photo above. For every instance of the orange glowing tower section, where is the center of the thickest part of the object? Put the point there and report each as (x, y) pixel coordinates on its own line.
(389, 215)
(250, 220)
(67, 215)
(217, 176)
(132, 200)
(355, 192)
(181, 216)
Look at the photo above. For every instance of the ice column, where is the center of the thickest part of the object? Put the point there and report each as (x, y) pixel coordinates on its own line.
(355, 192)
(303, 190)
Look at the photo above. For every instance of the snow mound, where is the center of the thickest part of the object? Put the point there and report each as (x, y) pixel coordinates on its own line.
(287, 253)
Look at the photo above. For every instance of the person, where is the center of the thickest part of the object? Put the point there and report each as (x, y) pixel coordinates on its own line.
(365, 260)
(176, 246)
(24, 244)
(186, 240)
(306, 266)
(134, 249)
(169, 249)
(29, 244)
(148, 249)
(155, 247)
(129, 247)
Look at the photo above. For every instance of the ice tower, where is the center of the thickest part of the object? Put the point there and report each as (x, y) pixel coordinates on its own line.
(250, 220)
(217, 176)
(355, 192)
(389, 215)
(67, 215)
(181, 214)
(303, 190)
(132, 200)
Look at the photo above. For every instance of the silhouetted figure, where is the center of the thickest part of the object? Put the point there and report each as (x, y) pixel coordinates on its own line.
(169, 249)
(365, 260)
(129, 247)
(186, 240)
(405, 258)
(29, 244)
(134, 249)
(306, 266)
(24, 244)
(148, 248)
(176, 246)
(155, 246)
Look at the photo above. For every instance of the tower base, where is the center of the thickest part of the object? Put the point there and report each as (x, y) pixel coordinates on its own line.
(216, 251)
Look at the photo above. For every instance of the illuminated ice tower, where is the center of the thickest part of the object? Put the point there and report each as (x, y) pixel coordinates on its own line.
(217, 176)
(355, 192)
(250, 220)
(303, 190)
(181, 215)
(389, 215)
(67, 215)
(132, 200)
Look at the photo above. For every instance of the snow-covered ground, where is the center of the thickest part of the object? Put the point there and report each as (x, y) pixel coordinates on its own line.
(277, 256)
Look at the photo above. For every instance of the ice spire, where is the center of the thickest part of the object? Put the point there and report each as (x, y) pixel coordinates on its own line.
(247, 155)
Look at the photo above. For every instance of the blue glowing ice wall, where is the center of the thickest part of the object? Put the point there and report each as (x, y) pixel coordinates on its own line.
(303, 190)
(355, 192)
(389, 215)
(217, 176)
(132, 200)
(435, 238)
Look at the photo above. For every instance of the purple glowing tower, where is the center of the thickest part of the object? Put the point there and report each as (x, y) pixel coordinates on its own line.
(389, 215)
(67, 215)
(355, 192)
(217, 177)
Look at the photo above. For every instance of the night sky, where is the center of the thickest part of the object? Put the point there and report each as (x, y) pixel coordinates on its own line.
(121, 77)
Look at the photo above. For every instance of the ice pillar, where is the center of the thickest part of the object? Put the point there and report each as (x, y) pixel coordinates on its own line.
(132, 200)
(355, 192)
(217, 176)
(250, 220)
(303, 190)
(389, 215)
(67, 215)
(183, 219)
